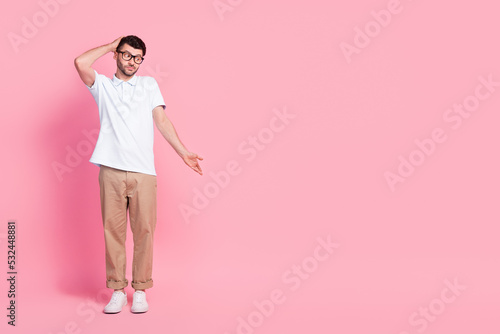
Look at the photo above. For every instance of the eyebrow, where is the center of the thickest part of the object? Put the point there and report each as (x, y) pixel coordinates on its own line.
(131, 54)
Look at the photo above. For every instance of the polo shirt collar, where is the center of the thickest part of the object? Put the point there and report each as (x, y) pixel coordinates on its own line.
(117, 81)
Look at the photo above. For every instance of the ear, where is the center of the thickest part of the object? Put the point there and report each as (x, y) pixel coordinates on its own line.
(115, 55)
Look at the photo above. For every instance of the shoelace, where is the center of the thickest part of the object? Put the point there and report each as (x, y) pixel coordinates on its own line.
(139, 298)
(114, 298)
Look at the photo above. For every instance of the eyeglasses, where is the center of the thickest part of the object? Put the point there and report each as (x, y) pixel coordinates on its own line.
(127, 56)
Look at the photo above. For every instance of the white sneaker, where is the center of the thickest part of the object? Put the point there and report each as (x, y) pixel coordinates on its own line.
(118, 300)
(139, 304)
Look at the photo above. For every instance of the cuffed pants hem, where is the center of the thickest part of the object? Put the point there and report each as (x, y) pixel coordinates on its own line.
(142, 285)
(116, 284)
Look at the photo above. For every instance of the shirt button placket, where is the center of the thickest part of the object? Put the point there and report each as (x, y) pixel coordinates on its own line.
(126, 92)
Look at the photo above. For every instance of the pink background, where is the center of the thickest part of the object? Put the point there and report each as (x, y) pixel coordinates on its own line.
(320, 175)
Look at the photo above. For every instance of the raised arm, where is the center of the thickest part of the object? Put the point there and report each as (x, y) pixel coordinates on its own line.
(167, 129)
(83, 63)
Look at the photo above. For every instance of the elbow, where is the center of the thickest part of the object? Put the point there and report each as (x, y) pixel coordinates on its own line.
(160, 124)
(159, 118)
(77, 62)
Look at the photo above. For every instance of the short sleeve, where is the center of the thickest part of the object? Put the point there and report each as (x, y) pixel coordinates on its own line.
(156, 97)
(96, 81)
(95, 88)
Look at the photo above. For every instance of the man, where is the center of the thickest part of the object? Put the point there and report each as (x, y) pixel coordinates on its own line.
(128, 105)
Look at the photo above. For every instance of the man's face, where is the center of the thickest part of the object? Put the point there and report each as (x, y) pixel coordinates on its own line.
(127, 67)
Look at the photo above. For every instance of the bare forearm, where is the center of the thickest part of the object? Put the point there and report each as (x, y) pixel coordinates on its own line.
(83, 63)
(168, 132)
(167, 129)
(89, 57)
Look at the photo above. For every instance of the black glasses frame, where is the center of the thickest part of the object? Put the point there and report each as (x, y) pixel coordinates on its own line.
(141, 59)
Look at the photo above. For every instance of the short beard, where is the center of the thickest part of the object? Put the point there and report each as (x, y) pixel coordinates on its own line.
(122, 69)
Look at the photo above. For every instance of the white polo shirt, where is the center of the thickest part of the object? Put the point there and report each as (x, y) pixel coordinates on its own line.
(127, 131)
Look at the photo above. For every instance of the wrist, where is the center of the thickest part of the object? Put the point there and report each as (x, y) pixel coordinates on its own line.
(183, 153)
(111, 47)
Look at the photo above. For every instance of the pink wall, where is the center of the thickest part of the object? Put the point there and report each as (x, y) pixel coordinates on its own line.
(355, 147)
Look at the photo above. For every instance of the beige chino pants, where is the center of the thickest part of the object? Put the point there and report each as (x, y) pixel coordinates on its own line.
(121, 190)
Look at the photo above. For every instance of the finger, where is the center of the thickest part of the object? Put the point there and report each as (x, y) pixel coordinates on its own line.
(198, 170)
(195, 156)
